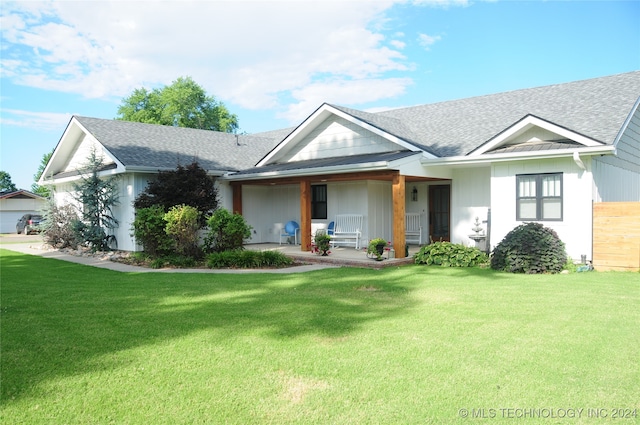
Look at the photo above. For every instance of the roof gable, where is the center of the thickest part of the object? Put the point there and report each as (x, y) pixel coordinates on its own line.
(316, 132)
(531, 132)
(20, 194)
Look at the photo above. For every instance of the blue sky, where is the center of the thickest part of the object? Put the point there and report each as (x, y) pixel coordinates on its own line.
(273, 63)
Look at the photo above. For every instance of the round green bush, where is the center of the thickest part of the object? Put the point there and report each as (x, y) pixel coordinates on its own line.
(530, 248)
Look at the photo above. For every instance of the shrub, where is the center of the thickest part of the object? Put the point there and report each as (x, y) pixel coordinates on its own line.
(182, 224)
(239, 259)
(448, 254)
(275, 259)
(57, 226)
(190, 185)
(530, 248)
(180, 261)
(227, 232)
(149, 230)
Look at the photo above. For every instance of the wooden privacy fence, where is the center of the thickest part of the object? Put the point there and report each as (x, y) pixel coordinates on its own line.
(616, 236)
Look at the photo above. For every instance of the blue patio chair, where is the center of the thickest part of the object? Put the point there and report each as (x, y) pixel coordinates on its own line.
(331, 228)
(290, 229)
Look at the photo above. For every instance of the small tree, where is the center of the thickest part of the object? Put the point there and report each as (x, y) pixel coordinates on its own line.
(97, 198)
(226, 231)
(182, 225)
(190, 185)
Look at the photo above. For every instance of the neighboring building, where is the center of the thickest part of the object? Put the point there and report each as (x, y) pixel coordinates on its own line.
(542, 154)
(15, 204)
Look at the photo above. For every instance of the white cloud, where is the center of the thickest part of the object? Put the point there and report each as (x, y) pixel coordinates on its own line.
(45, 121)
(398, 44)
(441, 3)
(343, 92)
(249, 53)
(427, 41)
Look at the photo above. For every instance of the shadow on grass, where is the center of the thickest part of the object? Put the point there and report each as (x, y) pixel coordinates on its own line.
(63, 319)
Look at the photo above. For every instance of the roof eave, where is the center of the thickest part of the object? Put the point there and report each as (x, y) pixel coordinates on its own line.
(142, 169)
(370, 166)
(519, 156)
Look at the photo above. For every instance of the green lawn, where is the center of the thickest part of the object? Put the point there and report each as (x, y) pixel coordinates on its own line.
(409, 345)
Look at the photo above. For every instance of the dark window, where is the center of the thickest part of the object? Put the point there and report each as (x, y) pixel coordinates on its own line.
(319, 201)
(539, 197)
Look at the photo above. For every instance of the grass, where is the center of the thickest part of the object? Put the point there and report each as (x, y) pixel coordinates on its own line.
(408, 345)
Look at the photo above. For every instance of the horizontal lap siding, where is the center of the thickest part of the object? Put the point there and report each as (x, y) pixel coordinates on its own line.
(616, 236)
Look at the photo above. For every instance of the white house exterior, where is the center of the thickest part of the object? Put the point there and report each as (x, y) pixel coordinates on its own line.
(544, 154)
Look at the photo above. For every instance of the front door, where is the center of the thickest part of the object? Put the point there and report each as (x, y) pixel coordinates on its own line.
(439, 212)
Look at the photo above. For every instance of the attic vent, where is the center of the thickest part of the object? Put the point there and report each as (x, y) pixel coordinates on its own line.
(534, 140)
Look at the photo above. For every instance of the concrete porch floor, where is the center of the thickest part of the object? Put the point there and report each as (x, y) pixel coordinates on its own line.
(340, 256)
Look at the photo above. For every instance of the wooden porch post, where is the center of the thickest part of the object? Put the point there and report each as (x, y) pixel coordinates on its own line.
(236, 190)
(399, 237)
(305, 215)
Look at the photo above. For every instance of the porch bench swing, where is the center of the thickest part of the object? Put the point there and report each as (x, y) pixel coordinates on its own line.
(347, 230)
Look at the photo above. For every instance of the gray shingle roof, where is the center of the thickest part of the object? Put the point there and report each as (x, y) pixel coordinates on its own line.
(595, 108)
(164, 147)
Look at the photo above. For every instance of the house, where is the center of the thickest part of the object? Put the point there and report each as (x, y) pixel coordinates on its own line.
(15, 204)
(542, 154)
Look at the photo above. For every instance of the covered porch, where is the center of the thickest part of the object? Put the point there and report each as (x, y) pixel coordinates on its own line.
(383, 197)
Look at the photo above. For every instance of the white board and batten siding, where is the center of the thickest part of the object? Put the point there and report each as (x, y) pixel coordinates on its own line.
(131, 185)
(470, 198)
(617, 178)
(337, 137)
(575, 229)
(268, 208)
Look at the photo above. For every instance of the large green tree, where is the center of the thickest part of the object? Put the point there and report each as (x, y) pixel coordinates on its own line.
(6, 183)
(35, 187)
(184, 104)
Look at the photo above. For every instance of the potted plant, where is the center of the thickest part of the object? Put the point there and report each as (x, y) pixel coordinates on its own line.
(376, 247)
(322, 244)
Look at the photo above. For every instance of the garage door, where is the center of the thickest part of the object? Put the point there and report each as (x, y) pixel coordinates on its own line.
(8, 220)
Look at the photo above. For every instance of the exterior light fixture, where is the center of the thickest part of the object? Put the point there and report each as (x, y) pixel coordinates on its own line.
(414, 194)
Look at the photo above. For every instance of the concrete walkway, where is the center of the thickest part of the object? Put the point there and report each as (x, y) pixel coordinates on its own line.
(33, 245)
